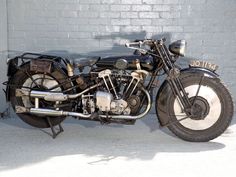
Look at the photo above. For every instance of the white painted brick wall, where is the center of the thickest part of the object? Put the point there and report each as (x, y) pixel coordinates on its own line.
(3, 50)
(100, 26)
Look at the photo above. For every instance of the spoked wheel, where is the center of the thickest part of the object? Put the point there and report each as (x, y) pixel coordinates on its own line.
(29, 80)
(211, 113)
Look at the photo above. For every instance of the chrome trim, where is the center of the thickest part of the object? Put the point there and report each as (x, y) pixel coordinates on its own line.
(182, 48)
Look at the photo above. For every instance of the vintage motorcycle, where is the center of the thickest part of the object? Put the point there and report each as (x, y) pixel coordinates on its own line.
(192, 102)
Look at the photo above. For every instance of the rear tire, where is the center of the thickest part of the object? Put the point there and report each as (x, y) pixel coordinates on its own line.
(18, 80)
(218, 109)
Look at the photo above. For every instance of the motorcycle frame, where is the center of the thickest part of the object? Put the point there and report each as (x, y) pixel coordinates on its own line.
(160, 53)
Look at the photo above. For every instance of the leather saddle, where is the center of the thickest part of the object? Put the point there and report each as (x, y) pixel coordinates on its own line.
(83, 62)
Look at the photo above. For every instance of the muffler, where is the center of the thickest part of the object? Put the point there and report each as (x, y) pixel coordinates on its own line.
(48, 96)
(52, 96)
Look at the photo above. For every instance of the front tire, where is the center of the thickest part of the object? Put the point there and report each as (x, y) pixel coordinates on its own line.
(213, 101)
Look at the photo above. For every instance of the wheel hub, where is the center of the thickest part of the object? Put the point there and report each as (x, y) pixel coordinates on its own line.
(200, 108)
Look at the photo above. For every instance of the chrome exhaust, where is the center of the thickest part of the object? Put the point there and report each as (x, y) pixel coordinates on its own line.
(48, 112)
(51, 112)
(52, 96)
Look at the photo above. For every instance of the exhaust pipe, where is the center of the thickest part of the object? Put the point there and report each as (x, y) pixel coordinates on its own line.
(55, 113)
(50, 112)
(52, 96)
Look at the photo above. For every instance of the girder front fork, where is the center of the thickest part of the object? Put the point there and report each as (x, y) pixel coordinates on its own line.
(181, 94)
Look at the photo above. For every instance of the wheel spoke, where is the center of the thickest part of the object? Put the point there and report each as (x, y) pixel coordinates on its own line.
(176, 121)
(176, 115)
(42, 80)
(199, 86)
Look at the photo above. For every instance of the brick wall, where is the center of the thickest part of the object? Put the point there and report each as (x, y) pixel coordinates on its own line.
(100, 27)
(3, 49)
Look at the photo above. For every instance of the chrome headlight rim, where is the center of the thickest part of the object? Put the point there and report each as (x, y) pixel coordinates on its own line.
(182, 48)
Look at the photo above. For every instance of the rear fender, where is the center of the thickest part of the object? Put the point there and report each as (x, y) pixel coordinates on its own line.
(165, 90)
(15, 64)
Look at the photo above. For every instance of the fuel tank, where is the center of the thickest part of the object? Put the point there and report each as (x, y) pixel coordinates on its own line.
(146, 62)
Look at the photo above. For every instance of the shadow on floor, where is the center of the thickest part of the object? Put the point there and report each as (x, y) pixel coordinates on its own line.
(23, 145)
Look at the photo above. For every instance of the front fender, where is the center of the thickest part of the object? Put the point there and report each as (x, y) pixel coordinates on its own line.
(165, 90)
(201, 71)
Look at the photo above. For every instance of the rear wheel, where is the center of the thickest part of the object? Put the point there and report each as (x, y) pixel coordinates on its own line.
(28, 80)
(211, 114)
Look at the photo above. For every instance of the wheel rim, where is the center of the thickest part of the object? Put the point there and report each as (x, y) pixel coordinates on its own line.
(210, 119)
(44, 81)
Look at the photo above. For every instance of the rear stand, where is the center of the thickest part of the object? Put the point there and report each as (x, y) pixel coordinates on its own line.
(54, 131)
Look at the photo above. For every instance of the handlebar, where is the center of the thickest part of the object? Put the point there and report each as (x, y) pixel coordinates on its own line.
(139, 43)
(134, 44)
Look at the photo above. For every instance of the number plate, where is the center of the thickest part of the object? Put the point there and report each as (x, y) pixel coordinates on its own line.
(203, 64)
(40, 66)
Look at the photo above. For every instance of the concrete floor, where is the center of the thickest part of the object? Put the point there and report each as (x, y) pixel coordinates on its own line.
(89, 149)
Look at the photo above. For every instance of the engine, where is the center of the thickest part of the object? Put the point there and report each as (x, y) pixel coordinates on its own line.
(104, 102)
(118, 95)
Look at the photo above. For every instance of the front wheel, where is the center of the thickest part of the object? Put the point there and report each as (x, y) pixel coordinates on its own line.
(211, 113)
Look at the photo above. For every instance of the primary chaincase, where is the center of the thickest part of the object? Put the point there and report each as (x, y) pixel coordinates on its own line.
(134, 103)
